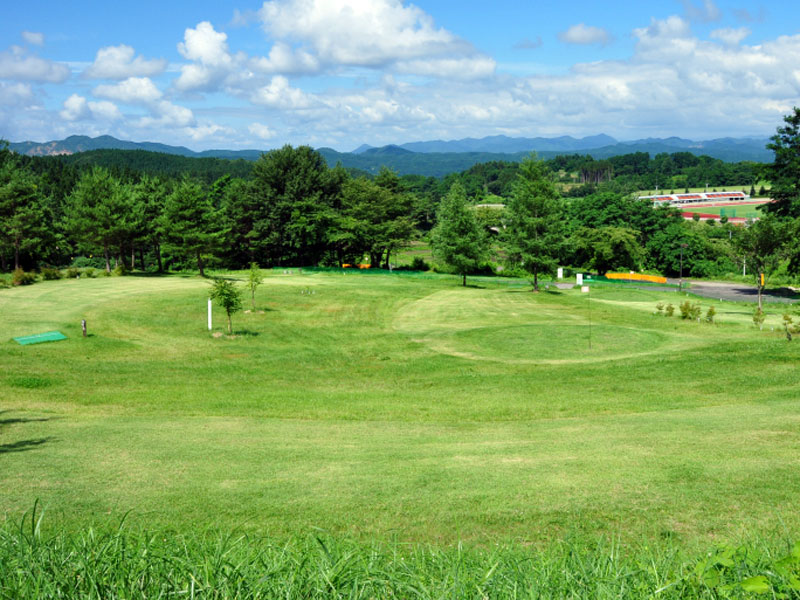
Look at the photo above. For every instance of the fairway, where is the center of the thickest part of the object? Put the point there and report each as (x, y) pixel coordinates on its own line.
(397, 406)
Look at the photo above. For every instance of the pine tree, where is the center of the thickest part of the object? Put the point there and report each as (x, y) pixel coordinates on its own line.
(535, 232)
(457, 239)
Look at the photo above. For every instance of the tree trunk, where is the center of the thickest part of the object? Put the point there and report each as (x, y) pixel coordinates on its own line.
(108, 260)
(536, 281)
(200, 264)
(157, 250)
(230, 325)
(141, 259)
(16, 254)
(3, 265)
(133, 256)
(760, 289)
(464, 279)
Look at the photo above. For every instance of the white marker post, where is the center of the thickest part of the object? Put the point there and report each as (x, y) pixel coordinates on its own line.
(560, 274)
(579, 278)
(209, 314)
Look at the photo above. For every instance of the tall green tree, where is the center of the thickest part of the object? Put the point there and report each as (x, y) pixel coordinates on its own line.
(784, 171)
(23, 222)
(457, 239)
(190, 224)
(607, 248)
(763, 244)
(296, 195)
(97, 212)
(535, 231)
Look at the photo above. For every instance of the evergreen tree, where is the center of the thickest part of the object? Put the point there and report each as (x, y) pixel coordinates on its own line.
(97, 212)
(535, 228)
(457, 239)
(190, 224)
(784, 172)
(22, 215)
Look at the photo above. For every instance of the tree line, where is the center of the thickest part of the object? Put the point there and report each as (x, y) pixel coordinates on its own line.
(291, 209)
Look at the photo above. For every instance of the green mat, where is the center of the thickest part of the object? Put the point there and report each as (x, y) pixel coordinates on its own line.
(50, 336)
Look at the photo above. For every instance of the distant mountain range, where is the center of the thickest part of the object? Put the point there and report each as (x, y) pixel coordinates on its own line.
(438, 158)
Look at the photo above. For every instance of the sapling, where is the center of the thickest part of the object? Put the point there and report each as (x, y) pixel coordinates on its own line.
(758, 318)
(227, 296)
(254, 279)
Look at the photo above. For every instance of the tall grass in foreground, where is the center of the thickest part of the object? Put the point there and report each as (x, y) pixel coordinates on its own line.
(130, 564)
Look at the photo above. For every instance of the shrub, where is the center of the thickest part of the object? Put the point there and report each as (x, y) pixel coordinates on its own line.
(419, 264)
(20, 277)
(690, 310)
(120, 270)
(758, 318)
(670, 310)
(73, 272)
(4, 283)
(91, 273)
(50, 274)
(660, 308)
(695, 311)
(710, 314)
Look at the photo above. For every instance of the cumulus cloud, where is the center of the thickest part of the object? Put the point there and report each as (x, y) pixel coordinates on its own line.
(585, 35)
(33, 38)
(165, 114)
(730, 36)
(15, 94)
(279, 94)
(284, 59)
(134, 90)
(450, 68)
(119, 62)
(18, 64)
(375, 34)
(211, 63)
(77, 108)
(261, 131)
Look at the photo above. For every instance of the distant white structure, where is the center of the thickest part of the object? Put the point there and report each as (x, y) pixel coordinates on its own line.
(696, 198)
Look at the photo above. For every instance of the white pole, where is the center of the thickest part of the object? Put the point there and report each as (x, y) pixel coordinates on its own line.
(209, 314)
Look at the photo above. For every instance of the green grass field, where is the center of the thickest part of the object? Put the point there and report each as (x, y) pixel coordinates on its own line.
(397, 407)
(746, 211)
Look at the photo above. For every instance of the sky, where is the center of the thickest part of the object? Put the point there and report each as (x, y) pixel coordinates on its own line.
(340, 73)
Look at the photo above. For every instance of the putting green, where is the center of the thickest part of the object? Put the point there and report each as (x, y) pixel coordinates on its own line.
(519, 327)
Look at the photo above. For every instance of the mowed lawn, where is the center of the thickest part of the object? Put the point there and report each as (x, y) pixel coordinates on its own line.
(397, 406)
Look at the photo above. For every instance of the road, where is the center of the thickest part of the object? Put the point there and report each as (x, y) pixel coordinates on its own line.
(740, 292)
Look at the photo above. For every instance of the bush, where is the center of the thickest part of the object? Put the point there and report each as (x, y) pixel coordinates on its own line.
(20, 277)
(73, 272)
(120, 270)
(670, 310)
(660, 308)
(97, 262)
(758, 318)
(4, 283)
(91, 273)
(710, 314)
(690, 310)
(419, 264)
(50, 274)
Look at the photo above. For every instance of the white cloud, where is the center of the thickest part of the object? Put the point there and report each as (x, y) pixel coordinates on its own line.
(469, 68)
(585, 35)
(105, 110)
(729, 36)
(134, 90)
(33, 38)
(208, 131)
(18, 64)
(118, 62)
(15, 94)
(77, 108)
(205, 45)
(279, 94)
(283, 59)
(168, 115)
(360, 33)
(261, 131)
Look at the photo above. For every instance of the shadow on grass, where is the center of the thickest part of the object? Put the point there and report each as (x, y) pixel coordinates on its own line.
(23, 445)
(246, 333)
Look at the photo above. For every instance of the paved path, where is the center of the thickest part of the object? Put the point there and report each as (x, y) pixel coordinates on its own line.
(740, 292)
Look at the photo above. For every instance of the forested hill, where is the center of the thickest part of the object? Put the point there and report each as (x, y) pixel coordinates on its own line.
(430, 159)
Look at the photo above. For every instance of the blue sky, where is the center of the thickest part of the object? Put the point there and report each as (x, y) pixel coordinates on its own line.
(340, 73)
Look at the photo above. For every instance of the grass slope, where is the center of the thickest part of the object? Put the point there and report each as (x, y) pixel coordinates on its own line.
(397, 407)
